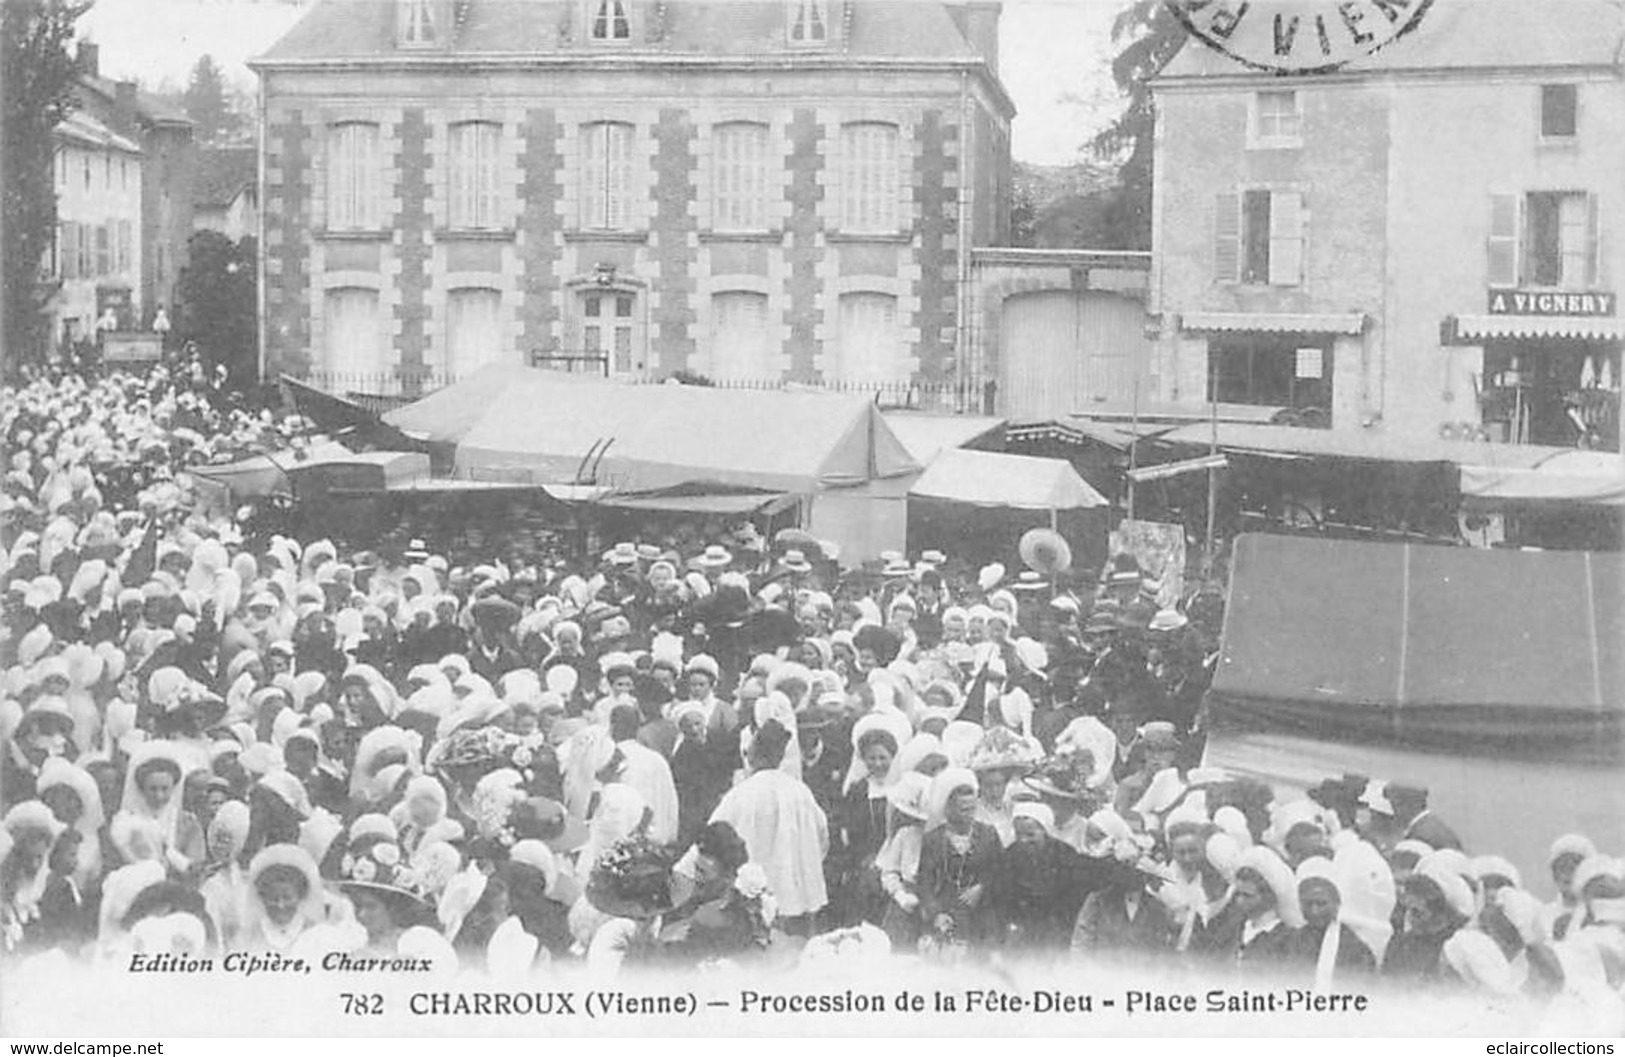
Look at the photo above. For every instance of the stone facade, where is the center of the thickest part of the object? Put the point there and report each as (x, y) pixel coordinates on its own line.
(649, 289)
(1414, 183)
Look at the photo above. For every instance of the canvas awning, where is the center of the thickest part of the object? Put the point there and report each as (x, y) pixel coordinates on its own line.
(509, 421)
(1019, 482)
(1299, 442)
(704, 503)
(1585, 328)
(925, 435)
(1445, 647)
(269, 473)
(1276, 322)
(1570, 476)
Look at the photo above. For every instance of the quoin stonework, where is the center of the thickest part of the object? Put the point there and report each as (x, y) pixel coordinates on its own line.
(743, 190)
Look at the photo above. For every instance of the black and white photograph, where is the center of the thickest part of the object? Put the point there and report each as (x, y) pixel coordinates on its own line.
(812, 517)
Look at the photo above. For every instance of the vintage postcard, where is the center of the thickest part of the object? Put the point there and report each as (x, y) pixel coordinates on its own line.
(817, 517)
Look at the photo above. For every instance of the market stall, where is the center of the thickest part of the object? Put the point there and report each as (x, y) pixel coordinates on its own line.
(978, 503)
(1494, 678)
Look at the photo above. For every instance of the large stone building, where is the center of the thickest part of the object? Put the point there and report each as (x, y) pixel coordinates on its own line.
(1423, 244)
(749, 190)
(163, 133)
(95, 258)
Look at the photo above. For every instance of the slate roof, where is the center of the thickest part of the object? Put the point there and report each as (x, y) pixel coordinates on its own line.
(221, 175)
(82, 128)
(876, 29)
(149, 107)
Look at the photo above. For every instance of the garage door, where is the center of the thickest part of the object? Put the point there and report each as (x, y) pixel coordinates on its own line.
(1065, 350)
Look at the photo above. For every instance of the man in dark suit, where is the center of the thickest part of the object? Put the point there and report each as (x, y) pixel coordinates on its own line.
(1416, 821)
(1124, 917)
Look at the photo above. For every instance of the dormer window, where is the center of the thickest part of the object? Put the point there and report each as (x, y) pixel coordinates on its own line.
(609, 21)
(417, 27)
(809, 22)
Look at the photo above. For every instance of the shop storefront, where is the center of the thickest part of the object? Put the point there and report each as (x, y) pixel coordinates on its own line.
(1277, 359)
(1551, 367)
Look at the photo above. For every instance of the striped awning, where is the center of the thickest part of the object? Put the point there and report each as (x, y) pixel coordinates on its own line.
(1276, 322)
(1584, 328)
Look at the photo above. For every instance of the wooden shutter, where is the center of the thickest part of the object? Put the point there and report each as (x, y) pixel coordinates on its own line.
(462, 175)
(1227, 238)
(618, 163)
(1502, 266)
(67, 251)
(1286, 238)
(1594, 250)
(488, 203)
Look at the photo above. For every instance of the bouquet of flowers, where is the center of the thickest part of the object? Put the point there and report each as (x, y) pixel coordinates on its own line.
(853, 946)
(752, 892)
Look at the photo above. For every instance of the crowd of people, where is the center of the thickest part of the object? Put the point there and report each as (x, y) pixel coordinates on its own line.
(214, 739)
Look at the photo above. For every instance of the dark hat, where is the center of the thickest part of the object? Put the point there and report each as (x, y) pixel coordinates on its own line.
(547, 821)
(1410, 794)
(772, 737)
(816, 717)
(494, 610)
(1064, 775)
(632, 880)
(882, 642)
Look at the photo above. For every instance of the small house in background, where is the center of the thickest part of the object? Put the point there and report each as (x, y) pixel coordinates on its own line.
(225, 192)
(163, 133)
(95, 258)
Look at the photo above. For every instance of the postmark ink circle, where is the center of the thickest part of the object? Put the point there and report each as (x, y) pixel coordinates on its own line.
(1298, 36)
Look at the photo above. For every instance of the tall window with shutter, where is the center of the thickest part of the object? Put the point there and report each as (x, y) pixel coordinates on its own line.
(122, 253)
(1258, 237)
(606, 176)
(870, 344)
(416, 23)
(67, 250)
(87, 252)
(870, 179)
(353, 180)
(473, 331)
(475, 191)
(739, 177)
(1503, 265)
(808, 22)
(1547, 239)
(608, 20)
(354, 336)
(739, 340)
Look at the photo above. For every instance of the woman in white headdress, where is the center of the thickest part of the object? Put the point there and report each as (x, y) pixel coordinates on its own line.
(620, 813)
(75, 799)
(225, 887)
(1336, 952)
(152, 792)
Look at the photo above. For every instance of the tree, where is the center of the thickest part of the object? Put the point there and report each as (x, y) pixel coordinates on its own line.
(206, 102)
(1148, 35)
(217, 292)
(37, 77)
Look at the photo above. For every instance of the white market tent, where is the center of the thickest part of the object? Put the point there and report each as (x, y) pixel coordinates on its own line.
(509, 422)
(977, 504)
(525, 425)
(927, 435)
(993, 479)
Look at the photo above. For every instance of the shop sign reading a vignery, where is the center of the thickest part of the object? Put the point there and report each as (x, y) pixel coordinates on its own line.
(1552, 303)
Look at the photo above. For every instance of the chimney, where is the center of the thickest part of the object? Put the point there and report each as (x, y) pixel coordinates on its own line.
(124, 109)
(88, 60)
